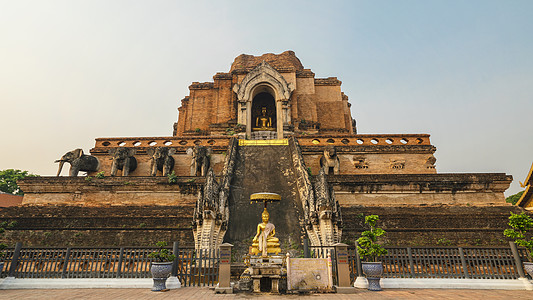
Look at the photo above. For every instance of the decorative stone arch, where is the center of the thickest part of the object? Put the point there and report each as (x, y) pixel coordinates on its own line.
(263, 78)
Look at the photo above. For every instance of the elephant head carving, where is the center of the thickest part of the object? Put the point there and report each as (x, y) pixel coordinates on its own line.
(200, 161)
(123, 159)
(330, 161)
(78, 162)
(161, 160)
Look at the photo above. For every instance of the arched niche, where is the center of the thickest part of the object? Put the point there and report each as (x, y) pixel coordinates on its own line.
(264, 110)
(263, 79)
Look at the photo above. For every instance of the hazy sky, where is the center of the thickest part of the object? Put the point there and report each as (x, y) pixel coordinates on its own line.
(462, 71)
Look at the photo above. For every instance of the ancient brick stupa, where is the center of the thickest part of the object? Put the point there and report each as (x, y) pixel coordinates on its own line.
(266, 125)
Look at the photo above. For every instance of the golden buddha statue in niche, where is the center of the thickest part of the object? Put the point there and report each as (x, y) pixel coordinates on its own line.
(264, 241)
(263, 122)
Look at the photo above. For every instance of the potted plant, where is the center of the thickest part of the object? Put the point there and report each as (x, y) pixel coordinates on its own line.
(521, 224)
(369, 250)
(162, 267)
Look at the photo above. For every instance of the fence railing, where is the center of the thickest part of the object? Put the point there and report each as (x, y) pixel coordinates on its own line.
(200, 267)
(447, 262)
(197, 267)
(193, 268)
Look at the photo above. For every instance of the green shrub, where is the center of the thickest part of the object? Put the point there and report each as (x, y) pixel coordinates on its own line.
(444, 242)
(172, 177)
(520, 225)
(368, 248)
(162, 255)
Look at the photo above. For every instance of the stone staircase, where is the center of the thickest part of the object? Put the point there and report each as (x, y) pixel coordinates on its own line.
(265, 168)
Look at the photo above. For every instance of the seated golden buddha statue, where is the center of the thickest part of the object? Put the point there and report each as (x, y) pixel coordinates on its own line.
(264, 241)
(263, 122)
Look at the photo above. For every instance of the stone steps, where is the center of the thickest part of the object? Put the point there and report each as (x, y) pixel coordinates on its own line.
(264, 169)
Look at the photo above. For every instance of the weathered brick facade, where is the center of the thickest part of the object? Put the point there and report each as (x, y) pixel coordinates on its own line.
(317, 105)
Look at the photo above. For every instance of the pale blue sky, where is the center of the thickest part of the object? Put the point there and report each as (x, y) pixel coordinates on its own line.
(462, 71)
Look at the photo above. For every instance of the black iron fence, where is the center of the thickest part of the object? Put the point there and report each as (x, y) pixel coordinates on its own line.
(200, 267)
(447, 262)
(193, 268)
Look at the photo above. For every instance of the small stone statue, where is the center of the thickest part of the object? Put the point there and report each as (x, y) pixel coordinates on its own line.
(330, 161)
(264, 241)
(161, 160)
(200, 161)
(78, 162)
(124, 160)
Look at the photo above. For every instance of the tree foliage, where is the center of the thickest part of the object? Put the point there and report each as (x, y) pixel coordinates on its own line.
(368, 247)
(8, 180)
(514, 198)
(520, 224)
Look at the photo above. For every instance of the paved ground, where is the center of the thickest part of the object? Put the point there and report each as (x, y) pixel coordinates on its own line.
(206, 293)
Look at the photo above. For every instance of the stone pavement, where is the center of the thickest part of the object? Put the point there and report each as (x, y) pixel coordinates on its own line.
(206, 293)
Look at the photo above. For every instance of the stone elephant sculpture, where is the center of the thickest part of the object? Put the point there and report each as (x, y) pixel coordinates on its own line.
(161, 160)
(124, 160)
(78, 162)
(330, 161)
(200, 161)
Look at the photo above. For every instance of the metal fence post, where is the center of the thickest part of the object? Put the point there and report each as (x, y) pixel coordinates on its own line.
(517, 260)
(176, 252)
(120, 260)
(463, 262)
(65, 263)
(411, 262)
(14, 260)
(358, 261)
(307, 253)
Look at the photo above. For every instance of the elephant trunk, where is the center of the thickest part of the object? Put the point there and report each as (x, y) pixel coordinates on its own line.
(61, 163)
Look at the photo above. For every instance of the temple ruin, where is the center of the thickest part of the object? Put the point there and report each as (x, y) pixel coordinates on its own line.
(266, 125)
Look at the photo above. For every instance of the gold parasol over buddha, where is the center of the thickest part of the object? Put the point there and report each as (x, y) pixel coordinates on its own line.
(264, 241)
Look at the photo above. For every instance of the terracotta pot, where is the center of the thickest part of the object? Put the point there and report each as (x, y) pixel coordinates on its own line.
(160, 272)
(373, 272)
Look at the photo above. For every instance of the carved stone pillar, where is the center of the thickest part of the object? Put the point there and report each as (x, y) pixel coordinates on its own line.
(241, 113)
(286, 112)
(248, 119)
(280, 119)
